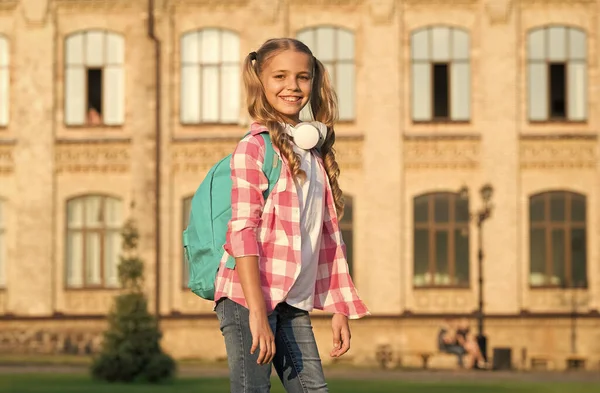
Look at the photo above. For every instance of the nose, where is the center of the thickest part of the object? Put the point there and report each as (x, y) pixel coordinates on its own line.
(292, 84)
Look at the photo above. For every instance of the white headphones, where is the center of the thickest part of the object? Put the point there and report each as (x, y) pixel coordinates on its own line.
(308, 135)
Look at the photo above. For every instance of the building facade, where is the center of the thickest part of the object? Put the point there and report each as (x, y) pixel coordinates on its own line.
(116, 109)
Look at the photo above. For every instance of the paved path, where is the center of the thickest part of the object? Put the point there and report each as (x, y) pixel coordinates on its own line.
(203, 371)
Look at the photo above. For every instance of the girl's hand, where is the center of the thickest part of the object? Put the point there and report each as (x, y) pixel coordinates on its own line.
(262, 337)
(341, 335)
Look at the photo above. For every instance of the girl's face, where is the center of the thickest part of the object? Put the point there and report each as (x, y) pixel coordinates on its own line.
(287, 81)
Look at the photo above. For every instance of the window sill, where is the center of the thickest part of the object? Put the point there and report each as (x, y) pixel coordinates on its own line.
(557, 287)
(442, 122)
(92, 289)
(444, 287)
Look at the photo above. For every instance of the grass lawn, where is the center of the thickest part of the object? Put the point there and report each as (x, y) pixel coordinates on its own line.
(36, 383)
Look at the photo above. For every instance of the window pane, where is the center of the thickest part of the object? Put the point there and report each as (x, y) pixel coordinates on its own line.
(114, 95)
(557, 206)
(557, 47)
(558, 257)
(345, 90)
(4, 96)
(75, 99)
(536, 208)
(538, 91)
(348, 237)
(94, 95)
(578, 258)
(190, 48)
(75, 213)
(74, 49)
(113, 214)
(209, 46)
(421, 208)
(115, 51)
(558, 91)
(325, 44)
(230, 93)
(577, 94)
(421, 255)
(94, 48)
(441, 276)
(536, 45)
(190, 94)
(460, 44)
(462, 209)
(74, 259)
(230, 47)
(440, 37)
(421, 90)
(92, 258)
(441, 86)
(537, 256)
(93, 211)
(112, 249)
(210, 94)
(461, 91)
(442, 211)
(461, 256)
(578, 208)
(345, 49)
(307, 36)
(577, 44)
(3, 256)
(420, 45)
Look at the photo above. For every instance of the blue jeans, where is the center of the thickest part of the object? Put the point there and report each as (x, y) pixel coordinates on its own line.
(296, 358)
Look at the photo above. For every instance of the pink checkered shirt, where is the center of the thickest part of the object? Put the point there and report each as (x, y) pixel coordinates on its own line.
(271, 230)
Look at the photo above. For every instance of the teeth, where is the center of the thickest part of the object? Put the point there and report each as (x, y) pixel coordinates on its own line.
(290, 99)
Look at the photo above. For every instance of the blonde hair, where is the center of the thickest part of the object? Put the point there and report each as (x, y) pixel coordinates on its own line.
(323, 104)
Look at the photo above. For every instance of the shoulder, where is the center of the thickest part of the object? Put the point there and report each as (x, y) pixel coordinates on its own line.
(252, 144)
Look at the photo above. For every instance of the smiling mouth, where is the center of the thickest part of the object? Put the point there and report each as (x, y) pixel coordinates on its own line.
(291, 99)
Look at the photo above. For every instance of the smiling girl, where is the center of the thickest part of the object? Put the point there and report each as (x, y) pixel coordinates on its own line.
(289, 252)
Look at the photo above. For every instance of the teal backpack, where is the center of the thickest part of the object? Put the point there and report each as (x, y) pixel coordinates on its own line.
(210, 212)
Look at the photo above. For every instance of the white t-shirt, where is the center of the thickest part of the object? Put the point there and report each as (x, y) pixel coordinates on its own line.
(312, 206)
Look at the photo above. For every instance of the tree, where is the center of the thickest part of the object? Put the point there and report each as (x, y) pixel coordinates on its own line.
(131, 347)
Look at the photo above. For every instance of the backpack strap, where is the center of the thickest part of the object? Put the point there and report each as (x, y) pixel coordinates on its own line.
(271, 164)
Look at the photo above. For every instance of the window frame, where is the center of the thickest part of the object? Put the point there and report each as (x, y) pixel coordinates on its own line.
(336, 60)
(547, 62)
(3, 244)
(86, 67)
(448, 227)
(219, 65)
(450, 65)
(103, 230)
(567, 225)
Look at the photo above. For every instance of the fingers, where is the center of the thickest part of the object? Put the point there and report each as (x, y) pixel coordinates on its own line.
(254, 344)
(267, 350)
(345, 341)
(341, 341)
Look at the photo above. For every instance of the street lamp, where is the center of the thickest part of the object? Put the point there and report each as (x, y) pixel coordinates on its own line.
(480, 216)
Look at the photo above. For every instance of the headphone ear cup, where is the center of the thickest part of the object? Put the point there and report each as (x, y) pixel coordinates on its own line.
(322, 128)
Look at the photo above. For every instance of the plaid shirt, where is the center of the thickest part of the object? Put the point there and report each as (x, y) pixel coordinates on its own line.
(271, 230)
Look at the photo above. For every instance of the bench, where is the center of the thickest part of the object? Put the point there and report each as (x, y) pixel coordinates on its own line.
(541, 362)
(575, 362)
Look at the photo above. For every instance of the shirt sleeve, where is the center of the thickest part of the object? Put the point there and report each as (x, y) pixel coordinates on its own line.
(247, 200)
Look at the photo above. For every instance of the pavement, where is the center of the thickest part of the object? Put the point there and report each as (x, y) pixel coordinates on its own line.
(220, 371)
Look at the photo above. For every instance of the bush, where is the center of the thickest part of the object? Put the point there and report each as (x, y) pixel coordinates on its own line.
(131, 347)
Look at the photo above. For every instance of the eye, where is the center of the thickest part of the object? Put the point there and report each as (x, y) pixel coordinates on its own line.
(305, 77)
(279, 76)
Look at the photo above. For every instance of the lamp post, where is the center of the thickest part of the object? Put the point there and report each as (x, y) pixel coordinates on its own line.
(480, 216)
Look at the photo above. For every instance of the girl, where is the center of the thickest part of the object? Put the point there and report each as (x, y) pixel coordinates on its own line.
(288, 250)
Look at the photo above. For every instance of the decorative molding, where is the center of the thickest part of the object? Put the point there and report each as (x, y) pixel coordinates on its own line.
(35, 11)
(382, 11)
(6, 160)
(8, 4)
(101, 157)
(75, 5)
(498, 10)
(199, 157)
(441, 154)
(559, 2)
(329, 3)
(210, 3)
(267, 10)
(439, 300)
(558, 154)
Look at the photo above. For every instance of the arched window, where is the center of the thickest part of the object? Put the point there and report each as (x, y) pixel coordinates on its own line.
(558, 239)
(3, 245)
(557, 74)
(185, 220)
(334, 47)
(441, 240)
(441, 74)
(94, 224)
(347, 228)
(4, 81)
(210, 77)
(94, 78)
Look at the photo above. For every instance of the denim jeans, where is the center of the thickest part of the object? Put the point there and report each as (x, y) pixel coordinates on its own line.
(296, 358)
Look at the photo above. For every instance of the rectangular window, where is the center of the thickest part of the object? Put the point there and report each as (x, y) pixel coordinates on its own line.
(441, 89)
(3, 247)
(94, 96)
(4, 82)
(558, 90)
